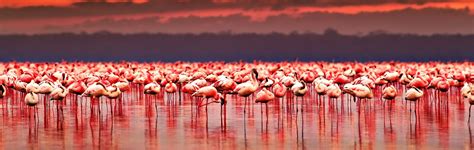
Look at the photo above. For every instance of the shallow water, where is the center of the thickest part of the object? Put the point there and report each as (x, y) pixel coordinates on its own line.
(145, 122)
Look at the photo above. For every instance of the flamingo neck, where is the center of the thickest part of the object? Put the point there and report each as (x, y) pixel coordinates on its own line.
(254, 80)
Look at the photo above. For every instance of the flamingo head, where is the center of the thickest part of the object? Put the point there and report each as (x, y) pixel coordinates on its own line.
(220, 98)
(255, 72)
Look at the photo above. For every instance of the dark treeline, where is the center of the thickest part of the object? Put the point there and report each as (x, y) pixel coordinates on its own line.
(330, 46)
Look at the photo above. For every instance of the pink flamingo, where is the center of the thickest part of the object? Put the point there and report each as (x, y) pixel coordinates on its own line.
(264, 96)
(247, 88)
(413, 94)
(171, 88)
(31, 99)
(389, 93)
(279, 89)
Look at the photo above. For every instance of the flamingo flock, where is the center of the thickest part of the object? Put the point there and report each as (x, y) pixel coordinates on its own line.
(258, 82)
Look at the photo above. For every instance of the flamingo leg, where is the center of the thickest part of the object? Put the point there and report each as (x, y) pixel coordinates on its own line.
(245, 104)
(221, 117)
(206, 105)
(156, 106)
(296, 103)
(469, 120)
(266, 110)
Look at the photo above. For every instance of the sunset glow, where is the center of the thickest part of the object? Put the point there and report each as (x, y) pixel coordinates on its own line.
(29, 3)
(236, 74)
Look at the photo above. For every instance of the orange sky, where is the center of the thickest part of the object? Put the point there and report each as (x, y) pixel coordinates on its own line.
(31, 21)
(348, 9)
(24, 3)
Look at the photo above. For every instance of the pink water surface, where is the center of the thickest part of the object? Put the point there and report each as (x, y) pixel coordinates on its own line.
(147, 122)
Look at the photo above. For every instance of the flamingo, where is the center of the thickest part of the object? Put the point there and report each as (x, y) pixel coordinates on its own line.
(334, 91)
(418, 83)
(190, 88)
(320, 88)
(20, 86)
(140, 79)
(209, 92)
(112, 78)
(248, 88)
(32, 87)
(349, 73)
(389, 92)
(201, 82)
(96, 90)
(211, 78)
(442, 86)
(264, 96)
(347, 88)
(470, 97)
(3, 91)
(225, 85)
(152, 88)
(434, 82)
(59, 92)
(182, 78)
(31, 99)
(113, 92)
(279, 89)
(465, 90)
(405, 78)
(299, 89)
(391, 76)
(360, 91)
(45, 87)
(341, 79)
(308, 76)
(171, 88)
(289, 80)
(413, 94)
(267, 82)
(366, 81)
(26, 77)
(381, 81)
(123, 85)
(77, 87)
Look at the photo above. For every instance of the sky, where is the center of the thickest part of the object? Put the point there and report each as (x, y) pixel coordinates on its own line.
(249, 16)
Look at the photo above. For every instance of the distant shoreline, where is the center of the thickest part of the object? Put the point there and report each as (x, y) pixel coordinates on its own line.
(226, 46)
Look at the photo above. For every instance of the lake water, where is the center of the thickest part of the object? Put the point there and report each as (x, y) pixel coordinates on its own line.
(147, 122)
